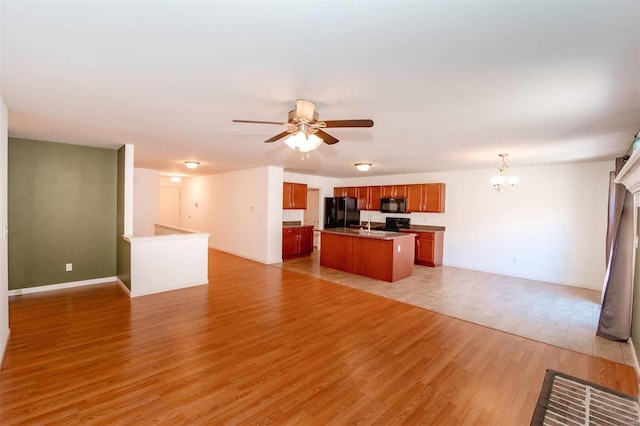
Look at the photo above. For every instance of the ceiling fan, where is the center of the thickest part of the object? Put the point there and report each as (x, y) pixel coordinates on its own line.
(305, 130)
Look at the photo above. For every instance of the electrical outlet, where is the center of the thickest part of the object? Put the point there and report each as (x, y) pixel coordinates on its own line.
(399, 247)
(69, 267)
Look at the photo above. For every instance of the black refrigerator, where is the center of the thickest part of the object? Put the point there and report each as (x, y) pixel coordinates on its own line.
(340, 212)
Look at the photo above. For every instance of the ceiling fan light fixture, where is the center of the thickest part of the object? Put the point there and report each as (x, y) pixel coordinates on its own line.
(305, 109)
(363, 167)
(303, 142)
(191, 164)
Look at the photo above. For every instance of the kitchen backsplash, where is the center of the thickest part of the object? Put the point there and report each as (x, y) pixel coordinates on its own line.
(292, 215)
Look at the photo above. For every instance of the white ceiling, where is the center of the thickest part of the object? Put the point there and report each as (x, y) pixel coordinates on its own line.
(449, 85)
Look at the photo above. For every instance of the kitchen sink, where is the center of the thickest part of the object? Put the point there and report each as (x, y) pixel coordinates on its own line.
(374, 232)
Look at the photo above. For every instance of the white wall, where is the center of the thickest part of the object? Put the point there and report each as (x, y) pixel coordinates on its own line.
(551, 227)
(146, 190)
(241, 210)
(4, 264)
(168, 262)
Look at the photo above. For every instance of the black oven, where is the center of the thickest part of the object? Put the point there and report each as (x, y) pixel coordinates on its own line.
(393, 205)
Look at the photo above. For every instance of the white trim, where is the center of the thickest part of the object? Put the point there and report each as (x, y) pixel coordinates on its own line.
(50, 287)
(4, 347)
(636, 365)
(629, 175)
(124, 287)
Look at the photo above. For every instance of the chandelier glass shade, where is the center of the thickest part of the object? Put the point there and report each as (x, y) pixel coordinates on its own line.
(502, 181)
(303, 142)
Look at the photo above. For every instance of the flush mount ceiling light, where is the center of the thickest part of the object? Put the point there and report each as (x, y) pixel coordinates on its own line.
(363, 167)
(191, 164)
(502, 181)
(176, 179)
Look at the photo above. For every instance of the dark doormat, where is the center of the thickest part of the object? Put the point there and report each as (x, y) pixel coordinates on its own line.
(567, 400)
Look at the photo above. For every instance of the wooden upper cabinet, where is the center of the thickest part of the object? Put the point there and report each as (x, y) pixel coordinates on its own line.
(414, 197)
(346, 191)
(373, 196)
(393, 191)
(421, 197)
(435, 193)
(368, 197)
(426, 198)
(294, 195)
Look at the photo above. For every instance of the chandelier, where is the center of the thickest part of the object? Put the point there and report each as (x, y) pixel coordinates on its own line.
(502, 181)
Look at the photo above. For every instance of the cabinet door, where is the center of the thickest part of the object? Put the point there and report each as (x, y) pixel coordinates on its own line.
(414, 198)
(351, 192)
(386, 191)
(373, 198)
(424, 250)
(287, 188)
(289, 242)
(362, 196)
(393, 191)
(299, 196)
(306, 240)
(400, 191)
(339, 192)
(434, 197)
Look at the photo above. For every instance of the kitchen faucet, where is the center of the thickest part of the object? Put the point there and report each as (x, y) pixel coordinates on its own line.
(369, 224)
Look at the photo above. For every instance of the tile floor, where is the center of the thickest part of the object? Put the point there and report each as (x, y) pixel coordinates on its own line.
(555, 314)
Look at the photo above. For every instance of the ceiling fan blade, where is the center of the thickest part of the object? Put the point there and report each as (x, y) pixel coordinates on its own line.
(326, 137)
(261, 122)
(305, 109)
(348, 123)
(278, 136)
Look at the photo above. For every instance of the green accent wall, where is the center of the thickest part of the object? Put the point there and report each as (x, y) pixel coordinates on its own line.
(123, 247)
(62, 209)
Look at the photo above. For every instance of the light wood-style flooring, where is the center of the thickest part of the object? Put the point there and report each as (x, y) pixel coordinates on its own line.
(261, 344)
(560, 315)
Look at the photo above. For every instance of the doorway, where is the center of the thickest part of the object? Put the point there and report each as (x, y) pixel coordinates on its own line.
(312, 212)
(169, 209)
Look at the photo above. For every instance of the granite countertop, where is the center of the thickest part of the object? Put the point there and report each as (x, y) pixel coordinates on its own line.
(294, 224)
(426, 228)
(417, 228)
(379, 235)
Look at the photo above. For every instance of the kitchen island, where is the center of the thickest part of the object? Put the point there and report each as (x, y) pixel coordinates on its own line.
(382, 255)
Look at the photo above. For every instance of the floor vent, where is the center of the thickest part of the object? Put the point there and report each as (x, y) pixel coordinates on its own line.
(566, 400)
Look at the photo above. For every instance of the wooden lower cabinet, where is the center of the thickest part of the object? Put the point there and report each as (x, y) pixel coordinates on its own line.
(297, 241)
(388, 260)
(429, 246)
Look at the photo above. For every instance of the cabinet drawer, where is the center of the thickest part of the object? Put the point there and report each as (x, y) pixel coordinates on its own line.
(426, 235)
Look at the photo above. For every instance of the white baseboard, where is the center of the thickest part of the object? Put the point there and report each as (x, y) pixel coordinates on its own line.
(124, 287)
(4, 346)
(51, 287)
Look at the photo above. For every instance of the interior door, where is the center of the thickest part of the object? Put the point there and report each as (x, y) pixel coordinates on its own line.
(312, 213)
(169, 209)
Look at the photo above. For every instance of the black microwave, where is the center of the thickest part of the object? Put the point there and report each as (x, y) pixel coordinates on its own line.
(393, 205)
